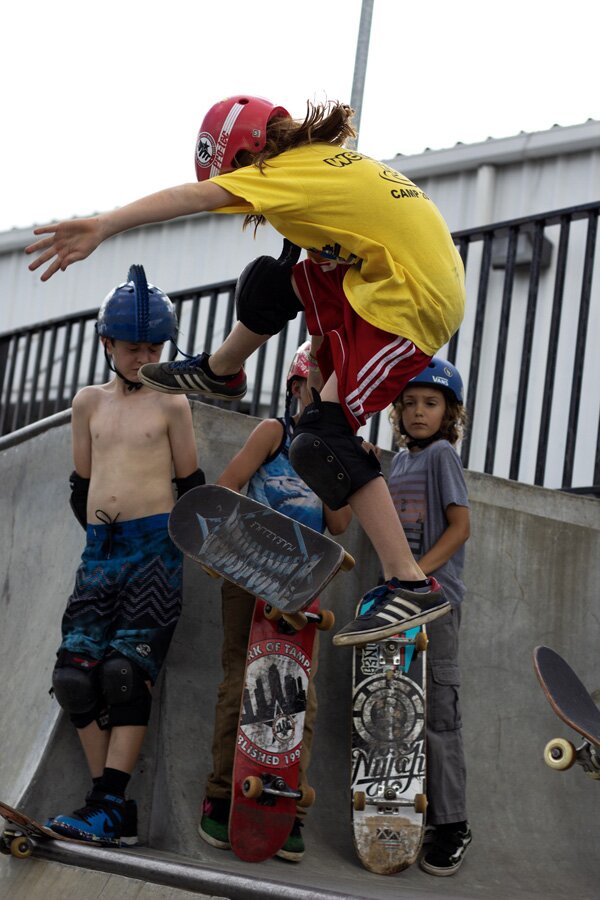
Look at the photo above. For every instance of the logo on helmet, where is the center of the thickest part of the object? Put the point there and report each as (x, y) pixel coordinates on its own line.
(206, 149)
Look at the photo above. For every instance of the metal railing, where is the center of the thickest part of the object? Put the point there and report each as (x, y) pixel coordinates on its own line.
(526, 350)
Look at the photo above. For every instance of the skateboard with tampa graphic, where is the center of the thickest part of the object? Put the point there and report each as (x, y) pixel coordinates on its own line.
(388, 751)
(268, 554)
(266, 764)
(572, 703)
(22, 832)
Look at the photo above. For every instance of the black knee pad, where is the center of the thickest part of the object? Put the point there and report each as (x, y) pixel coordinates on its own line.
(125, 691)
(264, 297)
(75, 686)
(328, 456)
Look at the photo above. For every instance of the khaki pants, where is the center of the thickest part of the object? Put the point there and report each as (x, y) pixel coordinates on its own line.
(237, 611)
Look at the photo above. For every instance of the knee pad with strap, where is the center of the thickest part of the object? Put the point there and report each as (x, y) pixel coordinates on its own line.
(75, 686)
(328, 456)
(125, 691)
(264, 297)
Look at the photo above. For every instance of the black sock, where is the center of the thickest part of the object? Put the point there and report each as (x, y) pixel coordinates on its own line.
(414, 585)
(113, 781)
(206, 366)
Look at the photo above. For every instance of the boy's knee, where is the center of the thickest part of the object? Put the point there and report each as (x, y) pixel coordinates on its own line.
(327, 454)
(75, 686)
(125, 691)
(264, 297)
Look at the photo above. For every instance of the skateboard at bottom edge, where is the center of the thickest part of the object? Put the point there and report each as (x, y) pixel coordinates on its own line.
(388, 751)
(270, 731)
(572, 703)
(19, 838)
(268, 554)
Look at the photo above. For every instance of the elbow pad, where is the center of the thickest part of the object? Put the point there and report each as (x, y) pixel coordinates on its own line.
(196, 479)
(79, 494)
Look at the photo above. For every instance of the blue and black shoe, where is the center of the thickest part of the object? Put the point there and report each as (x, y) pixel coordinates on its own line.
(390, 609)
(105, 819)
(193, 376)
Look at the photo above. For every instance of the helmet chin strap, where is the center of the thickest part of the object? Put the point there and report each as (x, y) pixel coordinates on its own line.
(131, 385)
(421, 443)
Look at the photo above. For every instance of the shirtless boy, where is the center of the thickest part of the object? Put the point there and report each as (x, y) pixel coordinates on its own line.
(127, 443)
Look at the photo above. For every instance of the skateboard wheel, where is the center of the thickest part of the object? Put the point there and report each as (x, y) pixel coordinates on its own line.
(252, 787)
(421, 642)
(348, 562)
(420, 803)
(271, 612)
(21, 847)
(307, 796)
(327, 620)
(359, 801)
(559, 754)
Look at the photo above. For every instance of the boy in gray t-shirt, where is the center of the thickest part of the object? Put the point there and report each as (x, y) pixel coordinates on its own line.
(429, 492)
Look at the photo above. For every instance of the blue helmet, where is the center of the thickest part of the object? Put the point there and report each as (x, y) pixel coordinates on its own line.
(443, 375)
(137, 311)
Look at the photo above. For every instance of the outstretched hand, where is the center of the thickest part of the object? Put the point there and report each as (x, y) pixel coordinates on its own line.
(67, 243)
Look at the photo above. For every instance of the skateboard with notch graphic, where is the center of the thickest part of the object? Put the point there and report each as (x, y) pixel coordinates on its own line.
(388, 751)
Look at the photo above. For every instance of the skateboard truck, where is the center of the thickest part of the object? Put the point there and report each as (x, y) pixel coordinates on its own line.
(324, 620)
(387, 800)
(267, 787)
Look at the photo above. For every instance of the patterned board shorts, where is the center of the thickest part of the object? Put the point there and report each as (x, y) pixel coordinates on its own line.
(128, 593)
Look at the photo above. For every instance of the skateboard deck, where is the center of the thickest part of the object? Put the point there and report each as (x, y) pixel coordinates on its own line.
(572, 703)
(388, 751)
(270, 732)
(19, 838)
(268, 554)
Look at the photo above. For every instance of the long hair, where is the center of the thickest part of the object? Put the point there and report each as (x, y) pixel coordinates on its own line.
(452, 429)
(325, 123)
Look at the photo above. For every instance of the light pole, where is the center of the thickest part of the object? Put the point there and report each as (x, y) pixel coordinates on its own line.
(360, 64)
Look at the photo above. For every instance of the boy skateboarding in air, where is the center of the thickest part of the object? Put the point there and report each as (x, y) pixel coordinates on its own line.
(382, 290)
(127, 443)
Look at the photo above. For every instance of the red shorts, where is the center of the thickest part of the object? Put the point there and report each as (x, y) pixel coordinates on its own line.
(372, 366)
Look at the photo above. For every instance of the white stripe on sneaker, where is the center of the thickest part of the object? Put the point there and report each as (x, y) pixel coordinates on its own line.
(190, 381)
(393, 620)
(404, 606)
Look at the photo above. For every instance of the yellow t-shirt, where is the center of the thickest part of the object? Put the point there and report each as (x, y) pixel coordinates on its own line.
(405, 274)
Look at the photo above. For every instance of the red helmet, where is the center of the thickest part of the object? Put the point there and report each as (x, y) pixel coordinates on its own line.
(300, 363)
(237, 123)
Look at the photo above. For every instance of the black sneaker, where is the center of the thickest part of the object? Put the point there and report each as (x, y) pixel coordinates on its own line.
(190, 376)
(293, 849)
(390, 609)
(446, 853)
(214, 824)
(105, 819)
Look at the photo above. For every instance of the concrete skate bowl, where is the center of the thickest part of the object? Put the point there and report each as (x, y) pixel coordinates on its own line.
(532, 563)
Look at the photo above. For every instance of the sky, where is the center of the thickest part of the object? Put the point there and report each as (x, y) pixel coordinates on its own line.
(102, 102)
